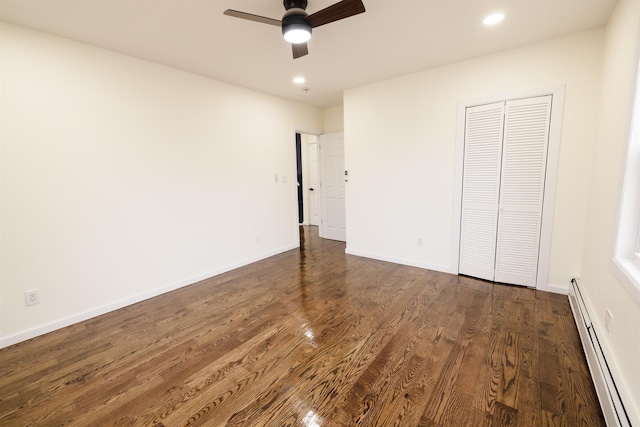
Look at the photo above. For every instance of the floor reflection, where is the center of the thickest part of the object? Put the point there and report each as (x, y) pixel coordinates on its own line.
(302, 279)
(311, 419)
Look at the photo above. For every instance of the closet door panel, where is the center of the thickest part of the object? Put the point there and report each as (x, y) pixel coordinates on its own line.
(524, 160)
(480, 189)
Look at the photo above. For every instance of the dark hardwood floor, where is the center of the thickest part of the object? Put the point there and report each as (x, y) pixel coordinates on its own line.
(311, 338)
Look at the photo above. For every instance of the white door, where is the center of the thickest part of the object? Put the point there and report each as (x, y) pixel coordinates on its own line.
(480, 190)
(313, 185)
(503, 186)
(524, 165)
(332, 179)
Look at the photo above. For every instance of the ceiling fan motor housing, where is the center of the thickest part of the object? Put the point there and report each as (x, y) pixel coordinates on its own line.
(295, 19)
(295, 4)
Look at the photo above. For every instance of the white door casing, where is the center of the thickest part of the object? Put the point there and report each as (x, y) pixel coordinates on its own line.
(332, 179)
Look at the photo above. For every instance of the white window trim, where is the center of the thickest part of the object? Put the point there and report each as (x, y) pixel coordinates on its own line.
(625, 263)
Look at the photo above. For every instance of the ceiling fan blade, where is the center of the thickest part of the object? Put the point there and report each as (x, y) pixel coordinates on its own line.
(299, 49)
(252, 17)
(335, 12)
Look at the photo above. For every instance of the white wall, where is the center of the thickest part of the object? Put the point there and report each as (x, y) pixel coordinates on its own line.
(603, 290)
(121, 179)
(333, 119)
(400, 137)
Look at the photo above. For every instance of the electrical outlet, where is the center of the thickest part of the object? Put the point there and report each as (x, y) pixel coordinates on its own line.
(258, 238)
(32, 297)
(608, 321)
(420, 241)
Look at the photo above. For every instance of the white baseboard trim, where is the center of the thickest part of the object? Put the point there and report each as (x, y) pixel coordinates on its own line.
(402, 261)
(557, 289)
(45, 328)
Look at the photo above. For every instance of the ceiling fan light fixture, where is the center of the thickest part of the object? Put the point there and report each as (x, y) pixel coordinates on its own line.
(295, 28)
(299, 35)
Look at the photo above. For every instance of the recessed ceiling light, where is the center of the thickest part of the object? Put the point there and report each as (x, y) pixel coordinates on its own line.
(299, 80)
(493, 19)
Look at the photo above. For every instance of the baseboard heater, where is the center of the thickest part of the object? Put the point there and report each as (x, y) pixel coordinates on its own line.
(610, 401)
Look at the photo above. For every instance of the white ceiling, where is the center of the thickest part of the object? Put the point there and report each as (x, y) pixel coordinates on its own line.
(393, 37)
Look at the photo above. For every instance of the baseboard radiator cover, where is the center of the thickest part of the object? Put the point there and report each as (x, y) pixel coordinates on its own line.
(612, 405)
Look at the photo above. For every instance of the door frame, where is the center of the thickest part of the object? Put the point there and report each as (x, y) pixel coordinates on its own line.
(295, 225)
(553, 155)
(300, 177)
(305, 168)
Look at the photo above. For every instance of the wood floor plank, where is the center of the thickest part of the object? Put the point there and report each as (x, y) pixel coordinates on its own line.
(311, 337)
(529, 408)
(428, 337)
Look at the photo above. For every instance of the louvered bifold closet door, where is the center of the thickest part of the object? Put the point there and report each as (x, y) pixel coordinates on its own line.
(524, 162)
(480, 189)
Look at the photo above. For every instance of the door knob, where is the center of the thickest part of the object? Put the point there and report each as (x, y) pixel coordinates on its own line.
(311, 189)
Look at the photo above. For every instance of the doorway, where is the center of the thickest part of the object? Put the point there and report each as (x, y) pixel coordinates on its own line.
(501, 213)
(308, 179)
(505, 159)
(321, 183)
(299, 179)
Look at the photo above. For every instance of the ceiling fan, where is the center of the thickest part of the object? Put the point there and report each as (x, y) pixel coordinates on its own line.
(297, 23)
